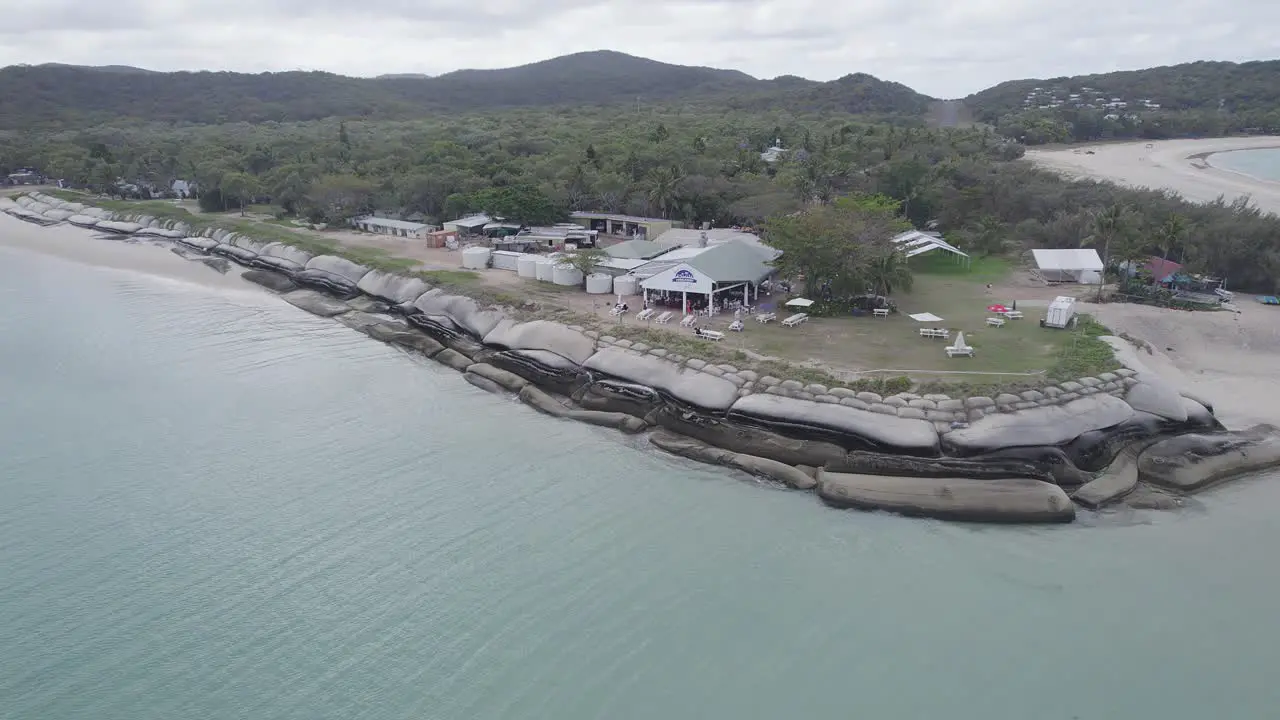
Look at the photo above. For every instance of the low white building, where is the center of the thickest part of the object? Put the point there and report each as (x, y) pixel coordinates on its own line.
(1071, 265)
(387, 226)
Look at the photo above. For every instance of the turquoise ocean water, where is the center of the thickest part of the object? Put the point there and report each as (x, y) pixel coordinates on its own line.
(213, 505)
(1263, 164)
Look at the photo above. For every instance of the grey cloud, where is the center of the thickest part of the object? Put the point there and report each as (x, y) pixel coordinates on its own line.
(941, 47)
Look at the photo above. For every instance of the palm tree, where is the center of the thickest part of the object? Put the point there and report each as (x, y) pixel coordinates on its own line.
(1171, 234)
(1107, 226)
(664, 189)
(987, 236)
(889, 272)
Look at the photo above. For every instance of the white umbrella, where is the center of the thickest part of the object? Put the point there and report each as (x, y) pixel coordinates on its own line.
(960, 340)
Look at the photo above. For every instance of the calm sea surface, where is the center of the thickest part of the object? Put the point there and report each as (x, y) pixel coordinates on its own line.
(1263, 164)
(213, 505)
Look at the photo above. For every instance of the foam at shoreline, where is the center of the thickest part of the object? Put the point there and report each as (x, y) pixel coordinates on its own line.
(779, 429)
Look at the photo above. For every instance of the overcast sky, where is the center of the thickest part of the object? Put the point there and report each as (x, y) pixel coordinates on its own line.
(944, 48)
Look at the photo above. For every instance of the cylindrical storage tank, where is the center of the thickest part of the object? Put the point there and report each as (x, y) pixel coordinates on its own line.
(567, 275)
(599, 284)
(546, 268)
(626, 285)
(475, 258)
(527, 266)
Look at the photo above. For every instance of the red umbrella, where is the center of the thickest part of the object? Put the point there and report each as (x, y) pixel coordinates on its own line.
(997, 309)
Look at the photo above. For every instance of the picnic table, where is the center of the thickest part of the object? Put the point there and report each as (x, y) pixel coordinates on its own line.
(995, 322)
(795, 320)
(766, 317)
(880, 312)
(1013, 314)
(942, 333)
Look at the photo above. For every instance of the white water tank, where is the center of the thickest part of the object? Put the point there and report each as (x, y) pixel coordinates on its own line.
(527, 266)
(476, 258)
(546, 268)
(626, 285)
(599, 284)
(506, 260)
(567, 275)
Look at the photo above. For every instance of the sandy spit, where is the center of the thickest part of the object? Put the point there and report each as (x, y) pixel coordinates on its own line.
(1183, 166)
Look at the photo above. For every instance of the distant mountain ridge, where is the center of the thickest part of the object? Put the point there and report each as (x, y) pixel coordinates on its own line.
(69, 96)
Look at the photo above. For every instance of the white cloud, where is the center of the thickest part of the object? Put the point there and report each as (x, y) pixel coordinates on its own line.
(940, 47)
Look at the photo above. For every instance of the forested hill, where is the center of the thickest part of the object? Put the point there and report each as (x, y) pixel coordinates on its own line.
(51, 96)
(1233, 87)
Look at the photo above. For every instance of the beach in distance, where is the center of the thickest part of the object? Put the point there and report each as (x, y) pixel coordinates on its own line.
(1186, 167)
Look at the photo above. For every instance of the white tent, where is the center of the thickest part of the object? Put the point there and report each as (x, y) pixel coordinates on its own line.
(1074, 265)
(914, 242)
(800, 302)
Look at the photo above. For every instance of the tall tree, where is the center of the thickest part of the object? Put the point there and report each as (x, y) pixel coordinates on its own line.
(241, 186)
(1107, 226)
(663, 191)
(833, 246)
(1171, 234)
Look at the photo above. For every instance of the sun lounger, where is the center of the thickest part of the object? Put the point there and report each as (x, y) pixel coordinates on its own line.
(766, 317)
(736, 326)
(709, 334)
(688, 320)
(664, 318)
(940, 333)
(995, 322)
(645, 314)
(795, 320)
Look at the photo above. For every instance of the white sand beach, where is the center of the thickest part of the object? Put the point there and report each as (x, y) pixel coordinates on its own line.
(1183, 166)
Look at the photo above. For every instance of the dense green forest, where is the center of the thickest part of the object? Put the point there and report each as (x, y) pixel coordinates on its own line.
(687, 164)
(67, 96)
(1201, 99)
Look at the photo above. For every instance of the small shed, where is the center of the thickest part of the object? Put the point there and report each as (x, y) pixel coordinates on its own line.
(469, 224)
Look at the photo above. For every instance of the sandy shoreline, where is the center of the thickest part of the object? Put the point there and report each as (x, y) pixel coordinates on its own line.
(150, 257)
(1182, 166)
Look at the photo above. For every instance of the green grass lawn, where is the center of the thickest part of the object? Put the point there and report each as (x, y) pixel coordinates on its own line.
(978, 270)
(894, 344)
